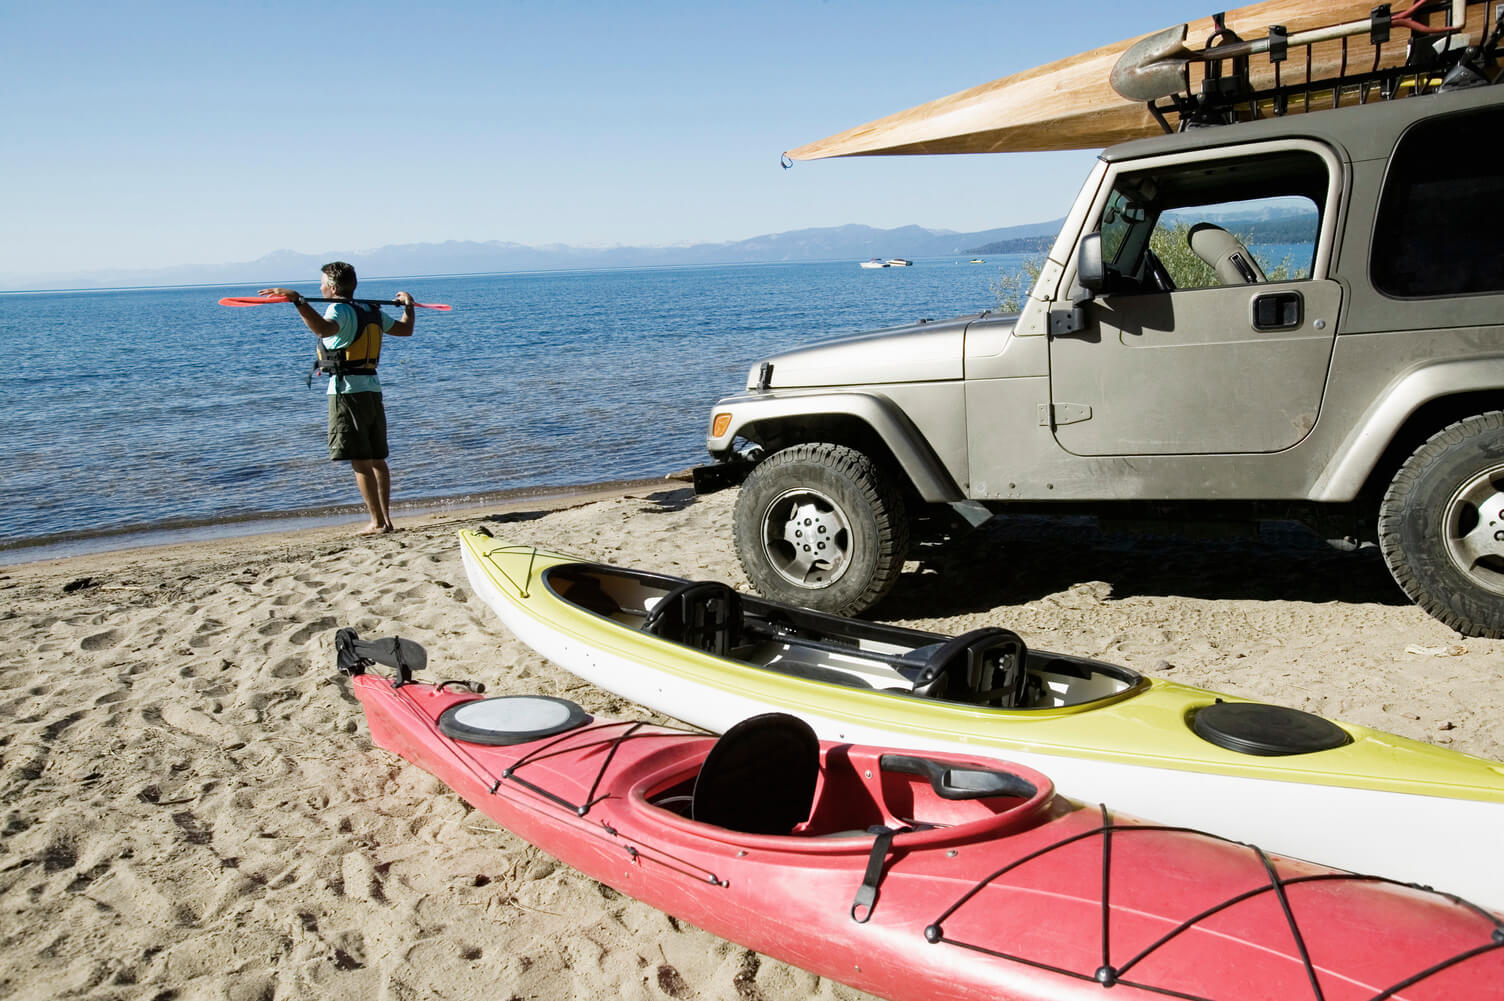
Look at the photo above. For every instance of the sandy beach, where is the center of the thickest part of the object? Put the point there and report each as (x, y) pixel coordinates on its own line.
(193, 809)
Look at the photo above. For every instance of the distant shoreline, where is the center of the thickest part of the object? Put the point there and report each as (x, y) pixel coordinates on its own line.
(303, 279)
(473, 258)
(368, 279)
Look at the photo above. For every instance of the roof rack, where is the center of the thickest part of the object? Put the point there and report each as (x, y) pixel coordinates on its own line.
(1235, 85)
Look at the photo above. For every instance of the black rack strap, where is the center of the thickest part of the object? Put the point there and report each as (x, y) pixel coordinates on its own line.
(1279, 44)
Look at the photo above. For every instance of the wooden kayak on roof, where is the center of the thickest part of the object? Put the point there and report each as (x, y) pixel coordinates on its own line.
(1072, 104)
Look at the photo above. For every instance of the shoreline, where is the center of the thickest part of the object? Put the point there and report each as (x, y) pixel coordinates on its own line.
(53, 549)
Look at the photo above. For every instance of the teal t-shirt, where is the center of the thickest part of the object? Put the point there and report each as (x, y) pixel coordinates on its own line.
(344, 314)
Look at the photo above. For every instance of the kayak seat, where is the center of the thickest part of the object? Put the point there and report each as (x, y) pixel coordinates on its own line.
(704, 614)
(1225, 254)
(760, 777)
(985, 666)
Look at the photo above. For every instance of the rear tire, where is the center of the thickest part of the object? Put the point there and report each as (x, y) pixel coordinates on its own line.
(1441, 526)
(819, 525)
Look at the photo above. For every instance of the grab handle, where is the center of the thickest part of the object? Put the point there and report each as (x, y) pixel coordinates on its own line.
(950, 782)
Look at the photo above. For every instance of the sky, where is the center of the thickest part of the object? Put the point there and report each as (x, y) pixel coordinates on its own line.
(153, 134)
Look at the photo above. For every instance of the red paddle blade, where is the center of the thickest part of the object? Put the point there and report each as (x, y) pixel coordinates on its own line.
(262, 300)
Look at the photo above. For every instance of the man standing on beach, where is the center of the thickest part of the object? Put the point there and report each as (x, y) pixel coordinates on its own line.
(349, 346)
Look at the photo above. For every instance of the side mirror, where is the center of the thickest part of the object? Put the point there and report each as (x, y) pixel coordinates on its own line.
(1091, 273)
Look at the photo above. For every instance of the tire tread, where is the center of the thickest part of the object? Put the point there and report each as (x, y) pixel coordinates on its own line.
(880, 496)
(1397, 514)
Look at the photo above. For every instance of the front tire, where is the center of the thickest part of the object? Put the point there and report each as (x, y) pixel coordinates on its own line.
(1441, 526)
(819, 525)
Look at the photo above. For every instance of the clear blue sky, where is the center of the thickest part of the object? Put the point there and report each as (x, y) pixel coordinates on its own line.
(163, 133)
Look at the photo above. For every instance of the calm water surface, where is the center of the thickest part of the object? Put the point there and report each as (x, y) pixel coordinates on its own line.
(141, 409)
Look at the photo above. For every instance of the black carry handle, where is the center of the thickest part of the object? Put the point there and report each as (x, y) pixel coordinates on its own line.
(353, 654)
(959, 783)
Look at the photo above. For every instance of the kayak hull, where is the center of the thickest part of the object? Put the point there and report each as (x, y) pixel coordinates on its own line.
(983, 894)
(1381, 804)
(1071, 103)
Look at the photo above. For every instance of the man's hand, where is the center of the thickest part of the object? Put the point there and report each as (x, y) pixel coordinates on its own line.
(291, 295)
(404, 326)
(310, 316)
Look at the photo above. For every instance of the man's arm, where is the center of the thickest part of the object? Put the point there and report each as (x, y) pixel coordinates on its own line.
(314, 320)
(404, 326)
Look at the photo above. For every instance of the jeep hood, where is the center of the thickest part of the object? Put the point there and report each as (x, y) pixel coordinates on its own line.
(928, 351)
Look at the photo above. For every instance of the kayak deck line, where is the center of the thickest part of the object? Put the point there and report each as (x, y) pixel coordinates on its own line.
(1024, 882)
(522, 589)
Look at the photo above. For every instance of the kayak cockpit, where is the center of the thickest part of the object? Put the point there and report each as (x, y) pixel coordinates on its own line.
(769, 778)
(988, 667)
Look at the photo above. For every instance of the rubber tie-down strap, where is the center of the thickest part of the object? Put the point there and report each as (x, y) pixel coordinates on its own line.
(866, 894)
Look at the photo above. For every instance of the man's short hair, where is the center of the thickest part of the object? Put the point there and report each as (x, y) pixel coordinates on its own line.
(342, 275)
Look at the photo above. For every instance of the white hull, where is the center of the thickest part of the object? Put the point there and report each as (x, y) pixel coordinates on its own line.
(1446, 843)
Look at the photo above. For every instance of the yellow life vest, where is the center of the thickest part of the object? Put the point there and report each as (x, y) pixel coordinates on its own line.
(361, 355)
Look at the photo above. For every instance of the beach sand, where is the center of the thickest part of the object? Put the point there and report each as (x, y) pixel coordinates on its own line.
(193, 809)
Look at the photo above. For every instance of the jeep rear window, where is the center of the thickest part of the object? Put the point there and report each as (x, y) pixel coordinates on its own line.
(1436, 233)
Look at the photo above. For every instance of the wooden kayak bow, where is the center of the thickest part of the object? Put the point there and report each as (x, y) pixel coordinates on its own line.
(1071, 103)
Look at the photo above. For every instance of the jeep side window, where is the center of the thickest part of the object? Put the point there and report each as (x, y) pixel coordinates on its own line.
(1236, 221)
(1278, 234)
(1436, 233)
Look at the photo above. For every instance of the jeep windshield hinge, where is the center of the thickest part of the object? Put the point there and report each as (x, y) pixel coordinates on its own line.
(1064, 322)
(1053, 415)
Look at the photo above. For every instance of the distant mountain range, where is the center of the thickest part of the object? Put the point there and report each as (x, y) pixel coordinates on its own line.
(481, 257)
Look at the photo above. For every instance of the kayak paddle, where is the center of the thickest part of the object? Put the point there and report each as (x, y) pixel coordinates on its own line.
(262, 300)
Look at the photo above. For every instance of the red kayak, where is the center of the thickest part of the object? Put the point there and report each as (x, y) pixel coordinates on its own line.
(933, 876)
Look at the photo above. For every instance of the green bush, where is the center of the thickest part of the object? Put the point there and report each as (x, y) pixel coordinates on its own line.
(1013, 287)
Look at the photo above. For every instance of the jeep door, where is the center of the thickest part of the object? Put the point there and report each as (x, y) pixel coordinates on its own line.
(1214, 332)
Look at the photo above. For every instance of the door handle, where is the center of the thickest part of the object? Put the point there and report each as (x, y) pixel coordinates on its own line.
(1278, 311)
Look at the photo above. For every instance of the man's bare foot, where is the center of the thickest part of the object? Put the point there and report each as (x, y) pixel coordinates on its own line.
(375, 530)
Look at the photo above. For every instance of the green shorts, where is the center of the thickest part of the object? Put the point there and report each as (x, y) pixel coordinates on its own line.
(357, 426)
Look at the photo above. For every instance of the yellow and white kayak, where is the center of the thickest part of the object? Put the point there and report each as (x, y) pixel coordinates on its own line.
(1298, 784)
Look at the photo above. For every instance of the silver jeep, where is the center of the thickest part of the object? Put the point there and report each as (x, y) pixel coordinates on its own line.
(1159, 367)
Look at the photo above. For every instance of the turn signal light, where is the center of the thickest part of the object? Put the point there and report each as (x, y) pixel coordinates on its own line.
(719, 425)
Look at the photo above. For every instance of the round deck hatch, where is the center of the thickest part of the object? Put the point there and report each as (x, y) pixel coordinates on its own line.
(1253, 728)
(510, 719)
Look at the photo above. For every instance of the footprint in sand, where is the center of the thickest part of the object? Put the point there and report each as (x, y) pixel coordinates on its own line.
(311, 630)
(100, 641)
(289, 668)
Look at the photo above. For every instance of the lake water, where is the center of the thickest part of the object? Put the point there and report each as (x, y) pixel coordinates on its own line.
(149, 409)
